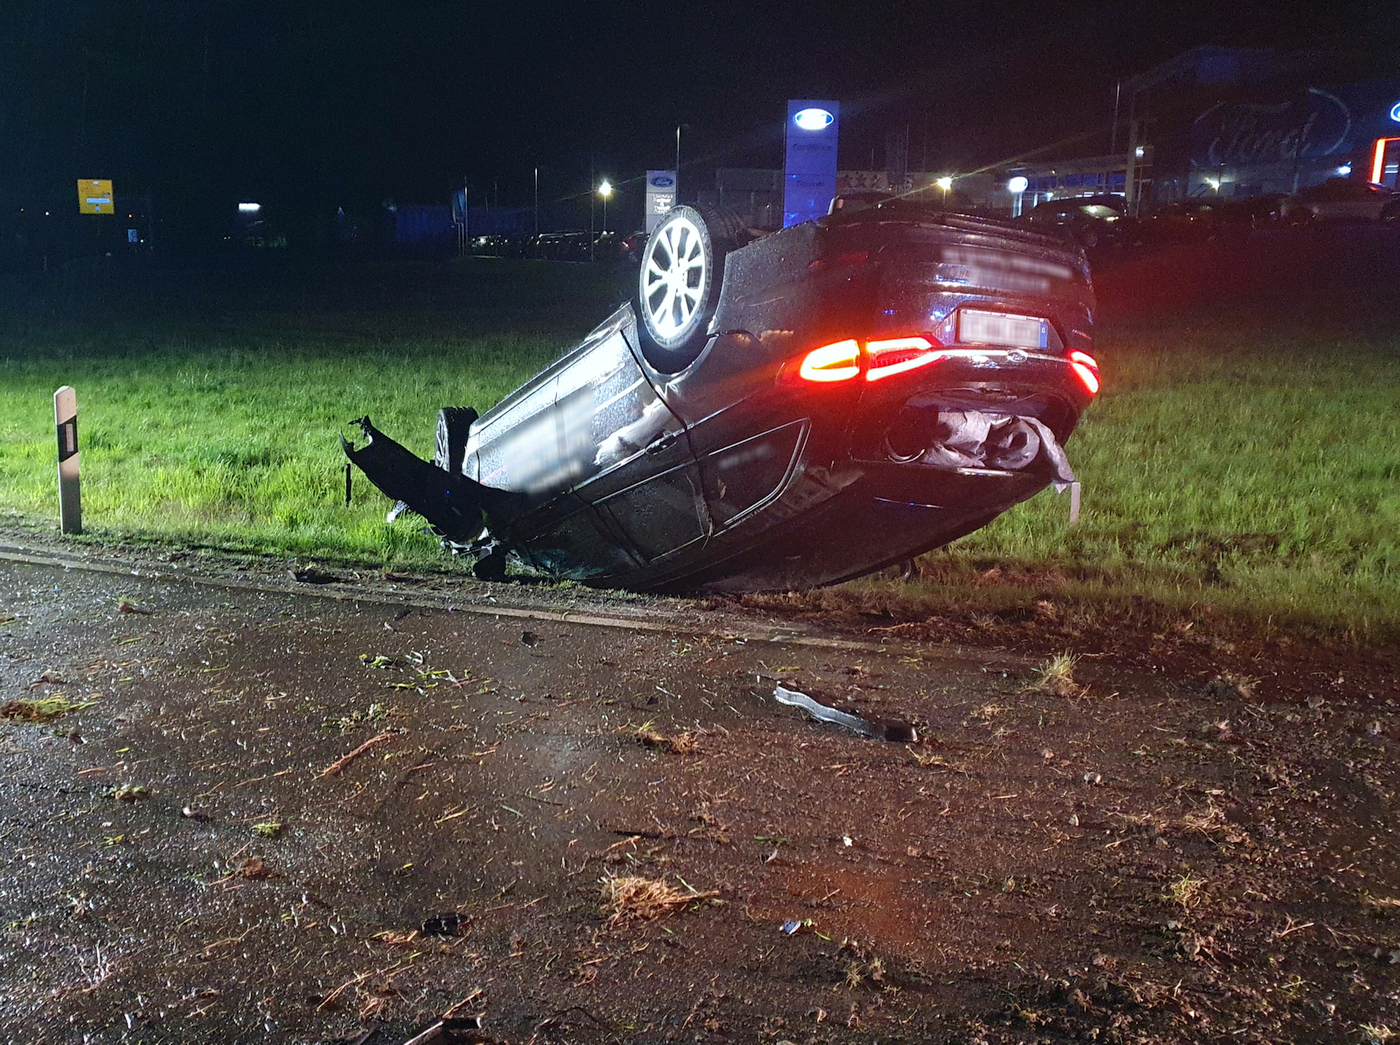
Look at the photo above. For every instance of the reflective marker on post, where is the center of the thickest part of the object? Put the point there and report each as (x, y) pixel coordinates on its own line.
(1073, 488)
(70, 506)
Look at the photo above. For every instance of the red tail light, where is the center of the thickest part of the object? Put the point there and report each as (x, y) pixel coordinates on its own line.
(835, 362)
(843, 360)
(1086, 368)
(896, 355)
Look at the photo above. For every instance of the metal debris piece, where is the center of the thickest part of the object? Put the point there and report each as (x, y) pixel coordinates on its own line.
(443, 925)
(452, 1031)
(879, 729)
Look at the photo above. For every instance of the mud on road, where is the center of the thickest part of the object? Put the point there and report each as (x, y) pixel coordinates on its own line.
(288, 812)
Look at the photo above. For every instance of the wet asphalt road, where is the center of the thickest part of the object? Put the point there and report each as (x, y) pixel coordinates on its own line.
(300, 813)
(417, 758)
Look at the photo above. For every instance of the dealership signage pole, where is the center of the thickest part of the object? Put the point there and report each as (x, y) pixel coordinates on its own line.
(661, 196)
(65, 415)
(809, 173)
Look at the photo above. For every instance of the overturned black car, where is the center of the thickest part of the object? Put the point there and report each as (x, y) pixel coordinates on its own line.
(775, 411)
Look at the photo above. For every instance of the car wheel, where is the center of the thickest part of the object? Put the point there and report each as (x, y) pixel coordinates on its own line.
(679, 283)
(451, 441)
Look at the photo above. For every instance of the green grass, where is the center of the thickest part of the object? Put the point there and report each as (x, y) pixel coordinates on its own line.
(222, 431)
(1231, 465)
(1243, 465)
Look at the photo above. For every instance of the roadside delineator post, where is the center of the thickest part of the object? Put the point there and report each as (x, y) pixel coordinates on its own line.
(70, 505)
(1073, 489)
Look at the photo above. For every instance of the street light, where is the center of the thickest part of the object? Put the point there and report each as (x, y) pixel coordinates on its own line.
(1017, 186)
(605, 190)
(945, 183)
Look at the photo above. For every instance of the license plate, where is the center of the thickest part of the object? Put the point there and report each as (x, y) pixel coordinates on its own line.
(1001, 328)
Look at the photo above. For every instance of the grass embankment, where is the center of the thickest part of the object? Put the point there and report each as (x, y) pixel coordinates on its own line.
(1230, 466)
(1243, 465)
(209, 416)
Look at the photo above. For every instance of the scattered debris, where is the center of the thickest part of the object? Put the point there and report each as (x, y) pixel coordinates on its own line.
(1056, 677)
(449, 924)
(1186, 891)
(642, 898)
(127, 606)
(880, 729)
(252, 867)
(453, 1030)
(196, 814)
(311, 575)
(268, 829)
(128, 793)
(1230, 686)
(340, 763)
(529, 638)
(646, 733)
(41, 710)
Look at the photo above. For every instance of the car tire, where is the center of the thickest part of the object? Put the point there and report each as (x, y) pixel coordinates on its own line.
(682, 269)
(450, 443)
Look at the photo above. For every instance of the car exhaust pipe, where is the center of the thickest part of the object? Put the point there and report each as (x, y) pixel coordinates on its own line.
(975, 439)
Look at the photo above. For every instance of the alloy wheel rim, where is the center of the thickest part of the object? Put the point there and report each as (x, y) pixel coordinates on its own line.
(674, 276)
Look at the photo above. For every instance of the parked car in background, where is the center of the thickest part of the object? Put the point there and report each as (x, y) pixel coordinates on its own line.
(1191, 220)
(774, 411)
(1091, 222)
(1250, 213)
(1342, 199)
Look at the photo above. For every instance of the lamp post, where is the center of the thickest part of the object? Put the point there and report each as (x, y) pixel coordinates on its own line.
(605, 190)
(945, 183)
(1017, 186)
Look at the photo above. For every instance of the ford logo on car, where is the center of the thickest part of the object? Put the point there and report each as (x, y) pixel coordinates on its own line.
(813, 119)
(663, 182)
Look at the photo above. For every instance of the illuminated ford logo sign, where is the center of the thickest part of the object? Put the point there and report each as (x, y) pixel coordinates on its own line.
(1394, 112)
(813, 119)
(663, 182)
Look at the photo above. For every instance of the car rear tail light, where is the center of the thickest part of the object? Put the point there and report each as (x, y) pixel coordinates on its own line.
(836, 362)
(843, 360)
(896, 355)
(1086, 368)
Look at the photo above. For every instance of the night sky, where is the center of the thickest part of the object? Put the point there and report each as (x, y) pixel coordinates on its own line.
(314, 104)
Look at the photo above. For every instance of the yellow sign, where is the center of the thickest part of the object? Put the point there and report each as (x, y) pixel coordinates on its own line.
(94, 196)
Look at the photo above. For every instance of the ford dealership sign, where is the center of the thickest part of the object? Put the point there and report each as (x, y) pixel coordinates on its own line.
(814, 119)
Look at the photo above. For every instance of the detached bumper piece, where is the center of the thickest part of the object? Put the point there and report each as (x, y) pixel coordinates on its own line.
(453, 504)
(977, 439)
